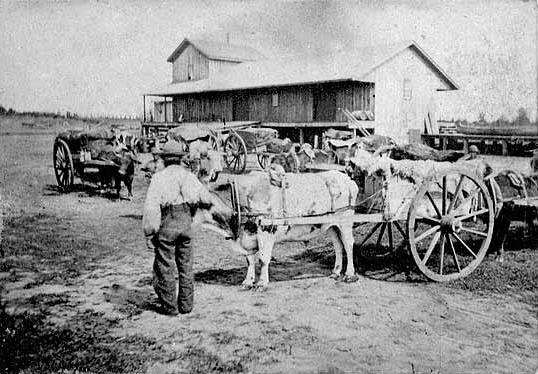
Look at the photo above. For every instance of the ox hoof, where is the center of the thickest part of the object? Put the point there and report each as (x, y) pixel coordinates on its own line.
(499, 259)
(350, 278)
(335, 276)
(247, 285)
(260, 287)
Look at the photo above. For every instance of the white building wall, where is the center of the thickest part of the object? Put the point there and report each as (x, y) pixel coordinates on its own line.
(397, 110)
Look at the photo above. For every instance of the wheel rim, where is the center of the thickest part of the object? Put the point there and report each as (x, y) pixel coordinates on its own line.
(450, 225)
(235, 154)
(63, 165)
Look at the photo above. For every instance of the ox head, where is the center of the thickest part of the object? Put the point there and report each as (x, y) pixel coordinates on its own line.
(205, 162)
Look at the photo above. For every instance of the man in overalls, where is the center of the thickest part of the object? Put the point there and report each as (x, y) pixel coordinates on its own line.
(173, 195)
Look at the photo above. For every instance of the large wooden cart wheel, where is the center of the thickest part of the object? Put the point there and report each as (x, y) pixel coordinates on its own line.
(63, 165)
(235, 153)
(450, 225)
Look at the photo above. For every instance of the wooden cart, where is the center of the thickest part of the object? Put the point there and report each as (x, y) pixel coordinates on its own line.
(72, 158)
(446, 218)
(236, 142)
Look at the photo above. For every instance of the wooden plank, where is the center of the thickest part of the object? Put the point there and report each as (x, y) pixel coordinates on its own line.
(433, 123)
(428, 125)
(324, 219)
(304, 124)
(483, 137)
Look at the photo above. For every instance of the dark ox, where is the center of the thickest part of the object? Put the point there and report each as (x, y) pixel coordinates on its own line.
(507, 187)
(123, 170)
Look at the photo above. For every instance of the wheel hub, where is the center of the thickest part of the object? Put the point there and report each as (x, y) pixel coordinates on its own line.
(450, 224)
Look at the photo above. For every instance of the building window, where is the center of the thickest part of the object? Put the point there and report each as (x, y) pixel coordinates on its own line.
(275, 99)
(190, 69)
(407, 91)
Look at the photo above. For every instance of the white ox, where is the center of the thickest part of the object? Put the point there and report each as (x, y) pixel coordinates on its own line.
(277, 195)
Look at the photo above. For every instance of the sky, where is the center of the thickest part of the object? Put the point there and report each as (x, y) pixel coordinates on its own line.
(98, 57)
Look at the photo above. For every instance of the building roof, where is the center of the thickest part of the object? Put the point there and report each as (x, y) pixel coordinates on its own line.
(218, 51)
(355, 66)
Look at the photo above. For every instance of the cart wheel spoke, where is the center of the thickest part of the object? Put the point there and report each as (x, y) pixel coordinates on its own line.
(380, 236)
(460, 240)
(389, 232)
(372, 232)
(433, 243)
(400, 229)
(456, 194)
(427, 233)
(429, 220)
(453, 251)
(442, 254)
(467, 200)
(430, 198)
(475, 232)
(473, 214)
(445, 196)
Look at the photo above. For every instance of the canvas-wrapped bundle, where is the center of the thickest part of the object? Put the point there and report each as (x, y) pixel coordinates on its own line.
(416, 151)
(254, 137)
(295, 195)
(338, 134)
(79, 139)
(414, 170)
(276, 145)
(189, 133)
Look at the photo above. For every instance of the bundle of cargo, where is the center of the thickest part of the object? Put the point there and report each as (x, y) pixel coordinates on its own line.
(256, 137)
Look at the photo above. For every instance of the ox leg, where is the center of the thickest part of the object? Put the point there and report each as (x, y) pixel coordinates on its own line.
(501, 227)
(266, 242)
(249, 279)
(128, 181)
(346, 235)
(338, 251)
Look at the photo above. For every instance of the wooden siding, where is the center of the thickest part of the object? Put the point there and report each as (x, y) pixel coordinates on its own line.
(196, 108)
(295, 104)
(180, 67)
(396, 114)
(216, 65)
(355, 97)
(158, 111)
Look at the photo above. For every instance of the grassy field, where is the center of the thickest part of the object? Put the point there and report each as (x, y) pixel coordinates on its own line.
(77, 297)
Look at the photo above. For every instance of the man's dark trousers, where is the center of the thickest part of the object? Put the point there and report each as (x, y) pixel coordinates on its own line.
(173, 247)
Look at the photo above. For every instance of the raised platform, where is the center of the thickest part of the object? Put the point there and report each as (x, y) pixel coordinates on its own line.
(504, 140)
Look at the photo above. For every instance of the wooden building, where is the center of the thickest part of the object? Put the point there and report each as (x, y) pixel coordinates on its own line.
(398, 83)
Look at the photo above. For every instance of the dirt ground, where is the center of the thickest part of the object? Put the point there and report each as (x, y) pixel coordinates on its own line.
(77, 297)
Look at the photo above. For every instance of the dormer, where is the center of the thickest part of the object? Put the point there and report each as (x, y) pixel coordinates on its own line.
(197, 59)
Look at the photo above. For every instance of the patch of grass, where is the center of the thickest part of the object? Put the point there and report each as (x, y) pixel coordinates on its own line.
(42, 244)
(29, 343)
(50, 300)
(224, 337)
(517, 275)
(200, 361)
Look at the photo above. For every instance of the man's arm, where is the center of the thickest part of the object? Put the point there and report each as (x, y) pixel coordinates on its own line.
(151, 220)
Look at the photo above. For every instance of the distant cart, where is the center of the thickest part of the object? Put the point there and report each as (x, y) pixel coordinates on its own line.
(236, 141)
(72, 158)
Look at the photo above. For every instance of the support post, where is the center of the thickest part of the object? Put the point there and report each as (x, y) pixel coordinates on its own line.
(144, 103)
(466, 145)
(165, 115)
(444, 141)
(505, 147)
(301, 135)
